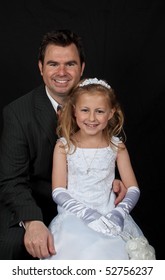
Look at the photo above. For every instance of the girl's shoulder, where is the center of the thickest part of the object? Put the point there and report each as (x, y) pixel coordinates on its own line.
(62, 140)
(116, 140)
(117, 144)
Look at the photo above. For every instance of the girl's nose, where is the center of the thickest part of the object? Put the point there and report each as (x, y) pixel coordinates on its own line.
(92, 116)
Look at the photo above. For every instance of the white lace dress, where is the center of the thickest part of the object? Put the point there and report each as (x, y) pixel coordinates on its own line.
(90, 176)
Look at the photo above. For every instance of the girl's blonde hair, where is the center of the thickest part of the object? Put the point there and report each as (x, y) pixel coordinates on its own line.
(68, 126)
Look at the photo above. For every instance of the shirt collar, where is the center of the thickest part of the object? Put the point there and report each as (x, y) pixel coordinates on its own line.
(53, 102)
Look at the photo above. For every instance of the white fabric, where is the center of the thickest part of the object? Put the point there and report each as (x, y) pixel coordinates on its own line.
(73, 238)
(53, 101)
(62, 198)
(117, 215)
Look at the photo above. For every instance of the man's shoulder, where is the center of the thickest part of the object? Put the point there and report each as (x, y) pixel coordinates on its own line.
(27, 98)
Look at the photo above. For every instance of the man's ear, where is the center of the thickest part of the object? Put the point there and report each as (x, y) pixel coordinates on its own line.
(82, 68)
(40, 67)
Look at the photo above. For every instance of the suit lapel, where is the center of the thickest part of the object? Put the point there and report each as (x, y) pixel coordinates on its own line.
(45, 114)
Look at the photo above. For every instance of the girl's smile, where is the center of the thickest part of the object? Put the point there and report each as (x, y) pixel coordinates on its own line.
(92, 112)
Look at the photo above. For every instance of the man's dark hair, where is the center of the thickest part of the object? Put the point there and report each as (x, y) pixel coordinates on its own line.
(61, 37)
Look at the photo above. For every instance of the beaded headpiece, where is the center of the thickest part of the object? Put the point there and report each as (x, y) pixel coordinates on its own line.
(94, 81)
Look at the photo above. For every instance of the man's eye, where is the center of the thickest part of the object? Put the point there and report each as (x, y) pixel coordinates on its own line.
(84, 110)
(71, 63)
(53, 64)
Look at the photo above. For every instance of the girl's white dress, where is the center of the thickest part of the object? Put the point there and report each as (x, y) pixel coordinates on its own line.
(90, 176)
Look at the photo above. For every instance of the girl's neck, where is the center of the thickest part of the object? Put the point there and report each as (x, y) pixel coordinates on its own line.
(90, 141)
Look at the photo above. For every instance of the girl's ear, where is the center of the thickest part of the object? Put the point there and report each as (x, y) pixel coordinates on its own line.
(74, 110)
(111, 113)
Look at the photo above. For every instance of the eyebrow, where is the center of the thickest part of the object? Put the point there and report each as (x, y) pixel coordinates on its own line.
(86, 107)
(69, 61)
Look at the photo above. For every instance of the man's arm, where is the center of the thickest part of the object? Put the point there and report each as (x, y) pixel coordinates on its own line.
(15, 191)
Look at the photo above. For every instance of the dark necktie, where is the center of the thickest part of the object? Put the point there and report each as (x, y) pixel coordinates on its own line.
(59, 109)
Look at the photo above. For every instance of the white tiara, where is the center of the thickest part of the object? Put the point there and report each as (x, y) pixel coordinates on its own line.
(94, 81)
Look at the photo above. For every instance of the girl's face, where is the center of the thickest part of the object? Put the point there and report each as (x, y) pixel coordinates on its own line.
(92, 112)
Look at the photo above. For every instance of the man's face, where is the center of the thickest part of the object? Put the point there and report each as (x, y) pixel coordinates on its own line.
(61, 70)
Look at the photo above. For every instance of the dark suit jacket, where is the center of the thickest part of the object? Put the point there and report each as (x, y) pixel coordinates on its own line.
(26, 151)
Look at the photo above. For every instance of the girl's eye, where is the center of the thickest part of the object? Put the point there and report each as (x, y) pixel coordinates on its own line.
(100, 111)
(84, 110)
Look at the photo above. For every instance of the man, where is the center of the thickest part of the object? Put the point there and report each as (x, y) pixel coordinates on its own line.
(26, 149)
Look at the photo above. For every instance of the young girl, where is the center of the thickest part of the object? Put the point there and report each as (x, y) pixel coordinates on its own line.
(88, 225)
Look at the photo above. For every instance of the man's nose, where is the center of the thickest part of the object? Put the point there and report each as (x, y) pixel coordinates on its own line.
(62, 69)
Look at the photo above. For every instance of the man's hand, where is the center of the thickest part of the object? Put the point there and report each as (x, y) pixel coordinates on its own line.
(119, 189)
(38, 240)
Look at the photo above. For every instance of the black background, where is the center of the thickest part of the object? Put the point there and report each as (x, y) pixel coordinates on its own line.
(125, 44)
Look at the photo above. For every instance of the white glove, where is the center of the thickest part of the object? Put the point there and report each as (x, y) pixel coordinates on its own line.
(104, 226)
(62, 197)
(118, 214)
(99, 226)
